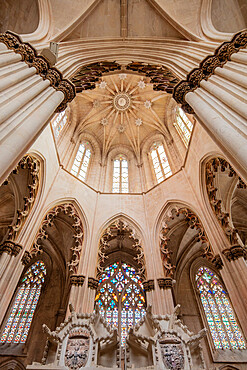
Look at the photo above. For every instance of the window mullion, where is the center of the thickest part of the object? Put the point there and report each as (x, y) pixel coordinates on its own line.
(120, 176)
(81, 162)
(160, 163)
(185, 123)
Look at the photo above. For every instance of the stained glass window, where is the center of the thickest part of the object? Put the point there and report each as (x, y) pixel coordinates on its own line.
(23, 308)
(120, 175)
(224, 329)
(81, 162)
(161, 165)
(120, 297)
(58, 123)
(183, 126)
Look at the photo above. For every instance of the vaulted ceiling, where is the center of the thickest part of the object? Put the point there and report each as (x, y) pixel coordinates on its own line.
(123, 110)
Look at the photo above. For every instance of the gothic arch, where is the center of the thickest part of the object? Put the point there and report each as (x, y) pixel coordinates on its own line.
(120, 227)
(12, 365)
(225, 193)
(20, 191)
(181, 234)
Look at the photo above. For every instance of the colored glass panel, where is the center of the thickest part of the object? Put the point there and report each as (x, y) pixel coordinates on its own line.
(23, 308)
(224, 329)
(81, 162)
(120, 297)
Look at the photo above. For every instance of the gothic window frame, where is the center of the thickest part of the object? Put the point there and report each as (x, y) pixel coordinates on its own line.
(120, 295)
(154, 147)
(121, 158)
(26, 306)
(183, 129)
(87, 147)
(224, 351)
(59, 120)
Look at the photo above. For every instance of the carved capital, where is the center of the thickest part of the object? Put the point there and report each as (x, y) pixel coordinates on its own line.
(26, 258)
(165, 283)
(235, 252)
(148, 285)
(207, 67)
(42, 66)
(217, 261)
(77, 279)
(10, 248)
(93, 283)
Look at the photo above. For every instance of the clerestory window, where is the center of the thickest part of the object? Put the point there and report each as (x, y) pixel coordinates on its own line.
(120, 183)
(58, 123)
(81, 162)
(160, 162)
(26, 299)
(221, 320)
(183, 126)
(121, 298)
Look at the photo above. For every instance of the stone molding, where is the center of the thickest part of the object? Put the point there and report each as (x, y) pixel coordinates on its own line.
(165, 283)
(42, 66)
(77, 280)
(207, 67)
(93, 283)
(10, 247)
(235, 252)
(148, 285)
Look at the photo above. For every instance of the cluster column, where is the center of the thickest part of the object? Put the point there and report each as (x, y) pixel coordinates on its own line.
(30, 92)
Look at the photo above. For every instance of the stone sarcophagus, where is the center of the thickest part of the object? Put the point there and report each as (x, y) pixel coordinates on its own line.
(163, 342)
(83, 341)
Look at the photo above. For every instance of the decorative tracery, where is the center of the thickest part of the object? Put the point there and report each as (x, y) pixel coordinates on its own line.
(183, 126)
(120, 182)
(81, 162)
(120, 297)
(161, 165)
(22, 311)
(224, 329)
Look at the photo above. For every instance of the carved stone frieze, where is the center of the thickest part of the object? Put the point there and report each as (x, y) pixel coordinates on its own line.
(33, 166)
(87, 76)
(77, 279)
(148, 285)
(161, 77)
(165, 283)
(235, 252)
(70, 210)
(10, 248)
(212, 167)
(42, 66)
(207, 67)
(93, 283)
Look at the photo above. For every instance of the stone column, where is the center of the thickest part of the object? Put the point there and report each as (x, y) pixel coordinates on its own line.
(30, 92)
(215, 93)
(76, 292)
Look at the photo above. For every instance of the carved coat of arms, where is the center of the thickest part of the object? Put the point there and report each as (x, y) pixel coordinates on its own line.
(172, 354)
(77, 350)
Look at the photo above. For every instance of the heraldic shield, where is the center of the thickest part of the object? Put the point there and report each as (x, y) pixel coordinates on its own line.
(172, 354)
(77, 350)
